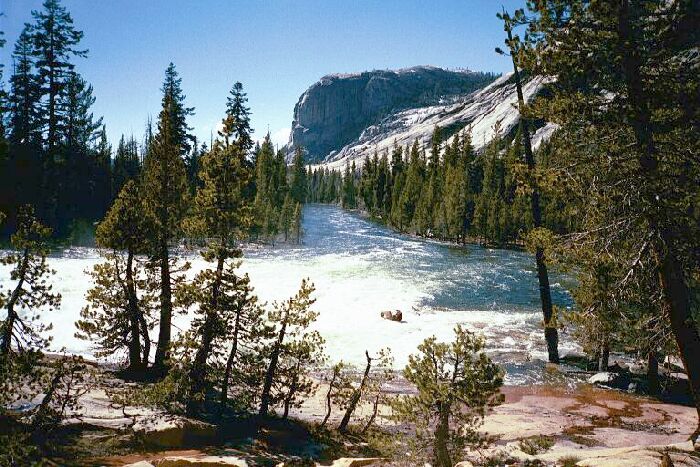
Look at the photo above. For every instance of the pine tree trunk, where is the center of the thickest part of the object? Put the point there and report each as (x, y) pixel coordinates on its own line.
(146, 340)
(685, 329)
(9, 324)
(229, 363)
(653, 372)
(551, 334)
(166, 310)
(442, 433)
(604, 357)
(355, 399)
(135, 362)
(373, 417)
(52, 109)
(272, 368)
(198, 370)
(328, 400)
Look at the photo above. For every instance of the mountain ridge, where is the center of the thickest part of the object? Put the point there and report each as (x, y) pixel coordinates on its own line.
(338, 108)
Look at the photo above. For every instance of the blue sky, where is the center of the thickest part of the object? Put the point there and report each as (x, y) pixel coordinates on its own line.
(275, 48)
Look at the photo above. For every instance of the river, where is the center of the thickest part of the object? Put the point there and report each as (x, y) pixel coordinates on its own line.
(361, 268)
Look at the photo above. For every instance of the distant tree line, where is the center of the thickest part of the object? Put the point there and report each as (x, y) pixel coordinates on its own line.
(449, 193)
(55, 156)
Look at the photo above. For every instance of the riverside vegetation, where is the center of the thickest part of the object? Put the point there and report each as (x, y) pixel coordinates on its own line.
(612, 197)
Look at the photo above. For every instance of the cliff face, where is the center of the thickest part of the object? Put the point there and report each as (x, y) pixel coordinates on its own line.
(491, 109)
(336, 110)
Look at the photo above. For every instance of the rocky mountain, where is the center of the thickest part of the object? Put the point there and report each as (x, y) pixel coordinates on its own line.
(335, 111)
(339, 120)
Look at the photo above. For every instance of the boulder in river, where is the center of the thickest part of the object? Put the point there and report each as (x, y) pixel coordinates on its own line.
(392, 315)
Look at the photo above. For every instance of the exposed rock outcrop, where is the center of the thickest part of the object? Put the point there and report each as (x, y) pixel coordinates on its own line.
(346, 118)
(172, 431)
(194, 461)
(610, 379)
(337, 109)
(392, 315)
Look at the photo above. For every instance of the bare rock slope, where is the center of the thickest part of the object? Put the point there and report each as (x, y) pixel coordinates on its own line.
(337, 110)
(336, 128)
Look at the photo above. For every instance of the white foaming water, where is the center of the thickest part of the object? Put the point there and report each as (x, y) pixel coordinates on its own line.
(360, 269)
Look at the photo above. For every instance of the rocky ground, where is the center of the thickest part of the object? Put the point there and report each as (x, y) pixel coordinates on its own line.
(589, 426)
(539, 425)
(547, 424)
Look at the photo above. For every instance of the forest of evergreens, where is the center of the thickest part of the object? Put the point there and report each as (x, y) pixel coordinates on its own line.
(611, 199)
(452, 193)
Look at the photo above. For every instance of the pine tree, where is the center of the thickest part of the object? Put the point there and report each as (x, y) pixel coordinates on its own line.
(236, 125)
(55, 42)
(76, 166)
(629, 93)
(102, 176)
(349, 200)
(296, 222)
(165, 196)
(291, 318)
(118, 313)
(456, 193)
(192, 162)
(297, 187)
(31, 292)
(24, 163)
(127, 165)
(174, 104)
(456, 383)
(294, 382)
(222, 215)
(397, 178)
(339, 389)
(286, 217)
(4, 160)
(367, 386)
(413, 185)
(25, 93)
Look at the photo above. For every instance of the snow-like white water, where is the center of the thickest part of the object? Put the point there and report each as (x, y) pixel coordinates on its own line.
(359, 269)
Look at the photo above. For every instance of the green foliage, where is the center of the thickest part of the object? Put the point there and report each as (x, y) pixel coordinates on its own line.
(349, 192)
(120, 306)
(236, 125)
(625, 151)
(457, 195)
(340, 388)
(299, 357)
(31, 291)
(127, 224)
(298, 184)
(165, 194)
(223, 300)
(222, 210)
(569, 461)
(113, 320)
(164, 182)
(276, 198)
(536, 444)
(456, 383)
(16, 448)
(293, 343)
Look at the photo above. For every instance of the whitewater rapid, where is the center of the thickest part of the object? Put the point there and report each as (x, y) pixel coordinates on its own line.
(360, 268)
